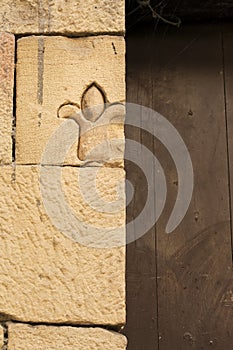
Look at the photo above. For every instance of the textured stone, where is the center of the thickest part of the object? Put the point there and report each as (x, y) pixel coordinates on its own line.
(7, 53)
(23, 337)
(53, 72)
(45, 275)
(1, 337)
(62, 16)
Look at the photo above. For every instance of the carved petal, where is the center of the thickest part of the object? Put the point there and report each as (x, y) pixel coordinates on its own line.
(68, 110)
(93, 103)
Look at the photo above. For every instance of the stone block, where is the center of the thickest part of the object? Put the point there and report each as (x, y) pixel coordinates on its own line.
(59, 267)
(77, 78)
(7, 56)
(1, 337)
(23, 337)
(61, 16)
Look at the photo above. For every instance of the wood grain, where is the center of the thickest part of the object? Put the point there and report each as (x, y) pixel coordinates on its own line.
(141, 254)
(180, 73)
(227, 37)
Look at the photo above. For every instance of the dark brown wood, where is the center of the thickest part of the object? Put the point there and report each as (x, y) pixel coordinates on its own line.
(180, 73)
(141, 262)
(227, 36)
(194, 10)
(194, 262)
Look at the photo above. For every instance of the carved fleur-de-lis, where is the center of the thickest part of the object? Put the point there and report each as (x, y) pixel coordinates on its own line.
(94, 105)
(93, 102)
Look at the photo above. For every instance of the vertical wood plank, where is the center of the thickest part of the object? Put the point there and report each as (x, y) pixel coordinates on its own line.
(228, 75)
(194, 262)
(194, 272)
(141, 326)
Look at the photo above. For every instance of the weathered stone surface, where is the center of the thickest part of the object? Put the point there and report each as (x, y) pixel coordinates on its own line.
(1, 337)
(23, 337)
(53, 72)
(7, 53)
(62, 16)
(47, 276)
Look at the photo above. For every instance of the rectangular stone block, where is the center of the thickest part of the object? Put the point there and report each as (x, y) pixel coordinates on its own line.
(7, 56)
(1, 337)
(60, 78)
(62, 245)
(23, 337)
(62, 16)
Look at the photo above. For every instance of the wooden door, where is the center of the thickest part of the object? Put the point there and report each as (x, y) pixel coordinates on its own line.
(180, 286)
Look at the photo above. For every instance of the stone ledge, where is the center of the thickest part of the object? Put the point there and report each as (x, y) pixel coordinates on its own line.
(23, 337)
(74, 17)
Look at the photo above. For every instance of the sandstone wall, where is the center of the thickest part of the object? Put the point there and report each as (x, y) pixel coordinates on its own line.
(62, 93)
